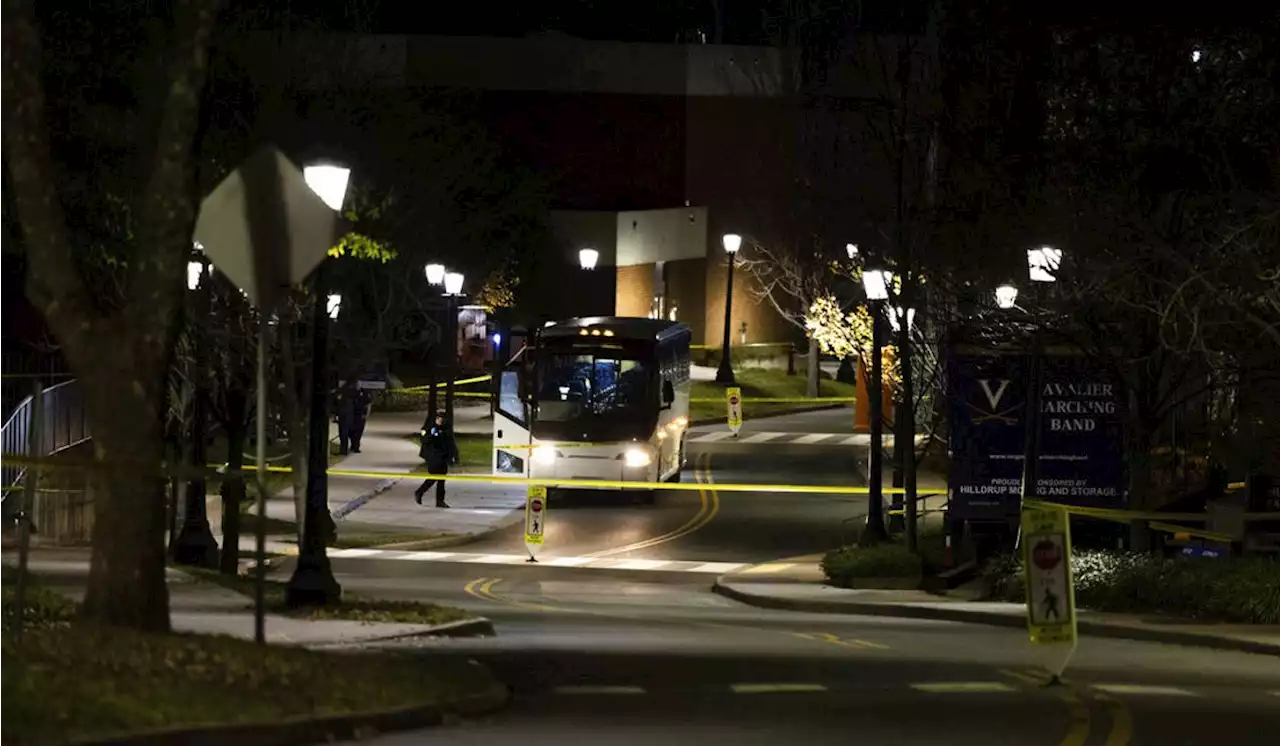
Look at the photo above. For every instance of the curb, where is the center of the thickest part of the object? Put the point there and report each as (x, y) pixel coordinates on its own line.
(359, 501)
(474, 627)
(993, 619)
(441, 542)
(356, 726)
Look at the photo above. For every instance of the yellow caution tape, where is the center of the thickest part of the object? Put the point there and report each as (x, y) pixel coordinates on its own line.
(443, 384)
(778, 400)
(1129, 516)
(1183, 533)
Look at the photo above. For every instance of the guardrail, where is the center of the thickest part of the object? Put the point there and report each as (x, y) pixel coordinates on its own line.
(64, 425)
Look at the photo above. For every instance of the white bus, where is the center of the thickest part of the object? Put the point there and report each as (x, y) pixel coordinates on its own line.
(602, 397)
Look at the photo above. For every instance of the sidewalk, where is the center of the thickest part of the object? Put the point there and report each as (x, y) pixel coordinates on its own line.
(796, 584)
(362, 505)
(205, 608)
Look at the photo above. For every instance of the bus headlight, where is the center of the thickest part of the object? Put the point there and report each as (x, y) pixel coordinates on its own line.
(637, 457)
(545, 455)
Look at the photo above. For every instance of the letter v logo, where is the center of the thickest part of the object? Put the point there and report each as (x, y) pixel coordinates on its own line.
(993, 397)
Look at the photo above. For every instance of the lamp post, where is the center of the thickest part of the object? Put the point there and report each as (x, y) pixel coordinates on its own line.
(452, 291)
(1042, 267)
(195, 544)
(875, 282)
(312, 582)
(724, 374)
(435, 278)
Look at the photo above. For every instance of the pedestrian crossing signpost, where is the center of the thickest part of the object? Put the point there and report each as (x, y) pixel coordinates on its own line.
(535, 521)
(1046, 561)
(733, 400)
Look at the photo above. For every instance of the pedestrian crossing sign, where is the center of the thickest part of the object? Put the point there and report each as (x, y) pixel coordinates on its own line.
(1046, 561)
(733, 401)
(535, 517)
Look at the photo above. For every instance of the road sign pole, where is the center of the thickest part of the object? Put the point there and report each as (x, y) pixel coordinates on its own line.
(535, 521)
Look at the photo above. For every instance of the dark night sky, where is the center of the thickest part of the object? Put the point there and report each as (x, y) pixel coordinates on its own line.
(745, 21)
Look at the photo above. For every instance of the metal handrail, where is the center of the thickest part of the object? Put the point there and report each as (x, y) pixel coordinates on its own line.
(65, 426)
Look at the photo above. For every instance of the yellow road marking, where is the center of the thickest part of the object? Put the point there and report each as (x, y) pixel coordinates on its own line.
(771, 688)
(482, 588)
(962, 687)
(709, 506)
(1078, 731)
(1121, 721)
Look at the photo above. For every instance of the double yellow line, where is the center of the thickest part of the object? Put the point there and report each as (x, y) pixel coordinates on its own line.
(482, 588)
(1081, 720)
(709, 506)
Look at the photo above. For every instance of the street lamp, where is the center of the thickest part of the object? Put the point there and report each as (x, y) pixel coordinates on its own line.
(1006, 296)
(724, 374)
(1043, 263)
(875, 283)
(851, 249)
(895, 318)
(587, 258)
(194, 544)
(435, 274)
(312, 583)
(452, 291)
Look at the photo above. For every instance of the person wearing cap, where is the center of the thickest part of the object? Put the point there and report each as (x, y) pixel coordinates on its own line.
(438, 450)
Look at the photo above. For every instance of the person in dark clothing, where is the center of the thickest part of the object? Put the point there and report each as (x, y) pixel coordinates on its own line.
(359, 415)
(439, 450)
(346, 415)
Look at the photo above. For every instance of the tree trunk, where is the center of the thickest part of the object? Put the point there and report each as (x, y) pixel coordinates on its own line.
(811, 385)
(126, 573)
(233, 488)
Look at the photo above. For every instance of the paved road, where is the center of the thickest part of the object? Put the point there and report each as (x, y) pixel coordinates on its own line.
(647, 654)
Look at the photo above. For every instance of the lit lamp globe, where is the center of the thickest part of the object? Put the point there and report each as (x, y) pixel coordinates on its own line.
(453, 283)
(334, 305)
(435, 274)
(875, 282)
(851, 249)
(732, 242)
(1006, 296)
(587, 258)
(1043, 264)
(329, 183)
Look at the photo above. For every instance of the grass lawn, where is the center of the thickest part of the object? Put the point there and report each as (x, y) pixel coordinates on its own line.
(68, 682)
(353, 608)
(766, 384)
(475, 451)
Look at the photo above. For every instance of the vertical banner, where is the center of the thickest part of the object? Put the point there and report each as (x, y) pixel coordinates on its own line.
(1046, 561)
(1081, 434)
(733, 403)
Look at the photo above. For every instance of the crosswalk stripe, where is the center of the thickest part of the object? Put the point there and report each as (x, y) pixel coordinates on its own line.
(771, 688)
(711, 437)
(636, 564)
(969, 687)
(593, 563)
(762, 437)
(598, 689)
(767, 567)
(492, 559)
(1143, 689)
(814, 437)
(566, 561)
(853, 440)
(426, 556)
(354, 552)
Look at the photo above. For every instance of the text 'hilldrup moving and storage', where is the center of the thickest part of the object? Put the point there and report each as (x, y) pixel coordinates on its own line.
(1080, 437)
(598, 398)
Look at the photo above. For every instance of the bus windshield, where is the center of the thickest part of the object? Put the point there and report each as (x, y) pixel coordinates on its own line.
(594, 395)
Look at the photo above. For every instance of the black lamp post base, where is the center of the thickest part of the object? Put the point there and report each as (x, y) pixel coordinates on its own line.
(312, 584)
(724, 375)
(195, 546)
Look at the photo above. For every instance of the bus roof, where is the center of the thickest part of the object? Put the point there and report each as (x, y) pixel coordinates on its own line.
(625, 327)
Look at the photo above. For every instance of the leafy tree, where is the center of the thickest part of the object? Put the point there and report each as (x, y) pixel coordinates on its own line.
(102, 108)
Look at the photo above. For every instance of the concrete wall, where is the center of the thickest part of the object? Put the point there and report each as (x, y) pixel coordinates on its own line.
(635, 290)
(648, 236)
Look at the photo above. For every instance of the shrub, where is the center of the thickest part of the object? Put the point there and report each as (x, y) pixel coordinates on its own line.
(847, 566)
(1227, 589)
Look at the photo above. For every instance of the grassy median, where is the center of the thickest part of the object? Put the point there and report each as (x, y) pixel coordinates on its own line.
(67, 681)
(760, 383)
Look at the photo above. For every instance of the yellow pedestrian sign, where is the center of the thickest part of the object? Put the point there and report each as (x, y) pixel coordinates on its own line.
(535, 520)
(733, 400)
(1046, 559)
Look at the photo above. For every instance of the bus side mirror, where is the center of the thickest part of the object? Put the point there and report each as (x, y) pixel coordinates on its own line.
(668, 393)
